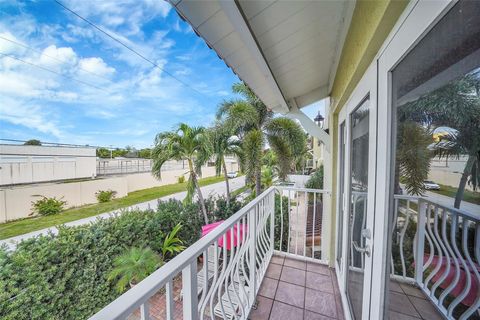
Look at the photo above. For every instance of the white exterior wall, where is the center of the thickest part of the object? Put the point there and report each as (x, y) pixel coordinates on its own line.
(31, 164)
(16, 202)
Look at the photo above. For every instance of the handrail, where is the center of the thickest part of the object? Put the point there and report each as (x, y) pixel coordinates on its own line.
(140, 293)
(302, 189)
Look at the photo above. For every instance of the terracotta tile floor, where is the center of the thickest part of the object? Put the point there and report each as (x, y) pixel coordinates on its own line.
(294, 289)
(407, 302)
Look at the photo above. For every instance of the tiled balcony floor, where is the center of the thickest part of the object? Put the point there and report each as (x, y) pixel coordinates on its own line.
(409, 303)
(293, 290)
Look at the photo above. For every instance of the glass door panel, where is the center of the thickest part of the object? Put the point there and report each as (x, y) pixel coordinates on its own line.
(357, 248)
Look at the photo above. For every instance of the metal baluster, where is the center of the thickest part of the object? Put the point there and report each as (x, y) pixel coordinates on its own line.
(447, 256)
(419, 265)
(306, 223)
(314, 220)
(289, 222)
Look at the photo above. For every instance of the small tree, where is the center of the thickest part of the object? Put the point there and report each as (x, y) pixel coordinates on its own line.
(33, 142)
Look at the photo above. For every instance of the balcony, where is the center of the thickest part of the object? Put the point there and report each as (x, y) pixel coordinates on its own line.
(271, 259)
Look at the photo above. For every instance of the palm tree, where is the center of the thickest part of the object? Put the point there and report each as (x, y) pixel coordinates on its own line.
(456, 106)
(268, 175)
(133, 266)
(254, 124)
(224, 143)
(184, 143)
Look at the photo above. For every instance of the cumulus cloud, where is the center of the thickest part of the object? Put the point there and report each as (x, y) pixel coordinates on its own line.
(95, 65)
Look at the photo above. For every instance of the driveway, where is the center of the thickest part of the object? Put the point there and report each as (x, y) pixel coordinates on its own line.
(210, 190)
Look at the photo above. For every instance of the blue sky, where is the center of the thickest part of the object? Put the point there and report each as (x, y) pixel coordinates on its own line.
(99, 93)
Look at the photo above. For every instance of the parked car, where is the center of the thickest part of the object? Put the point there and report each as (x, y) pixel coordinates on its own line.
(430, 185)
(232, 174)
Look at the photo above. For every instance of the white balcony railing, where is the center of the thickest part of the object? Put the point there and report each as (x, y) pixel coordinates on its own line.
(438, 248)
(220, 274)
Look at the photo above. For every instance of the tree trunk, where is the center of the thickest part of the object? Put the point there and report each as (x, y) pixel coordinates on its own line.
(226, 181)
(258, 182)
(463, 181)
(199, 191)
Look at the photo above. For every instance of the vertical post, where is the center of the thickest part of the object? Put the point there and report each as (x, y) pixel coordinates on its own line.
(252, 225)
(190, 297)
(422, 212)
(144, 313)
(271, 207)
(169, 296)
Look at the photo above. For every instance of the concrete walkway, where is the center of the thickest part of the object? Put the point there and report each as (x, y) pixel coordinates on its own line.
(210, 190)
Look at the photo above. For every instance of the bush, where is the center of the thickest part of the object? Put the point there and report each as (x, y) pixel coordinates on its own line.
(65, 276)
(278, 223)
(181, 179)
(105, 195)
(316, 179)
(48, 206)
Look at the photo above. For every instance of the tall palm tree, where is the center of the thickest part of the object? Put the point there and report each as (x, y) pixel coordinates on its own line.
(224, 143)
(456, 106)
(254, 123)
(184, 143)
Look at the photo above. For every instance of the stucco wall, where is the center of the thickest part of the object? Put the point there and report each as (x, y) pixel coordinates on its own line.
(371, 23)
(16, 202)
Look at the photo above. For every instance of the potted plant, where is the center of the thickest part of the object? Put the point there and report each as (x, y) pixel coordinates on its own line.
(133, 266)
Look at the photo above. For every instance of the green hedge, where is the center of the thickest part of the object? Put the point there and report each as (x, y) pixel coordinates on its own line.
(64, 276)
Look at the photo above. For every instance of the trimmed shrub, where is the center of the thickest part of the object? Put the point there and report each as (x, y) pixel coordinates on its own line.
(105, 195)
(48, 206)
(181, 179)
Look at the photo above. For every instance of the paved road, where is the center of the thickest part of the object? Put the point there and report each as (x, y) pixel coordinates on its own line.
(210, 190)
(448, 202)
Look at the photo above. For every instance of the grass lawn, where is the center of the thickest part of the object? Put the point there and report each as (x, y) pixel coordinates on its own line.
(468, 196)
(18, 227)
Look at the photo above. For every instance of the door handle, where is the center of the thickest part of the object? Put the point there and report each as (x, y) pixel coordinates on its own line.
(365, 249)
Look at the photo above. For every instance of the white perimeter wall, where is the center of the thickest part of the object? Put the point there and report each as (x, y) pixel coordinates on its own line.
(16, 202)
(30, 164)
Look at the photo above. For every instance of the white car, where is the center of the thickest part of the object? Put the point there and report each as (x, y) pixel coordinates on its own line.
(430, 185)
(232, 174)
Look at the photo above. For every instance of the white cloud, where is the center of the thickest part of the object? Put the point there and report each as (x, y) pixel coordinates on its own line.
(58, 57)
(130, 15)
(95, 65)
(9, 47)
(28, 115)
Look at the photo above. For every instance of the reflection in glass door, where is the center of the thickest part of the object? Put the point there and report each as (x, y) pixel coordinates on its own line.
(359, 147)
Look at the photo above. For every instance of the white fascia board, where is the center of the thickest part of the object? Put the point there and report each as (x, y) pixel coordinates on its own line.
(236, 19)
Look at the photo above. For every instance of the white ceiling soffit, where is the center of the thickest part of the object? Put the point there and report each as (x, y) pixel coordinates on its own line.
(286, 51)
